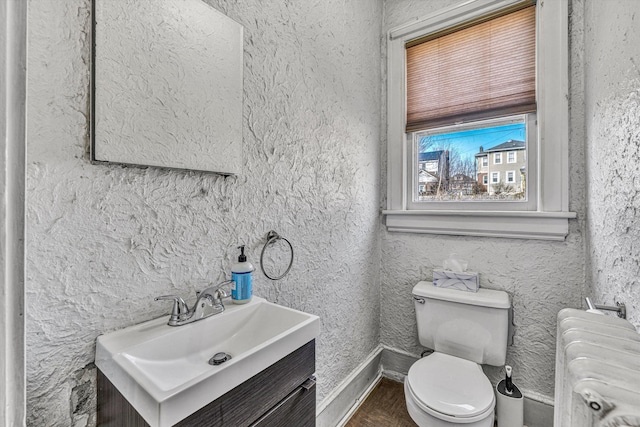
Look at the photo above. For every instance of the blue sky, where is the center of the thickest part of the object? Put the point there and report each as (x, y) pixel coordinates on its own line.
(469, 141)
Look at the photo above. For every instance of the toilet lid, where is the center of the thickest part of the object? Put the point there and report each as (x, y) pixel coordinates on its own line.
(450, 386)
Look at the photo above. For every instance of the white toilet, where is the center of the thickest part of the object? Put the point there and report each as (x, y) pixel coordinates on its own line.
(466, 329)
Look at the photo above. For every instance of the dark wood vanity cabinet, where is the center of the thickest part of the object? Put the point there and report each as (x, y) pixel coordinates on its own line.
(282, 395)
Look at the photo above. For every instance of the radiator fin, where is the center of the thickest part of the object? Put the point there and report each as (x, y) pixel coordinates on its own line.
(597, 371)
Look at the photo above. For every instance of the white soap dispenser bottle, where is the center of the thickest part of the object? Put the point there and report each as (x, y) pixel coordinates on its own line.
(242, 276)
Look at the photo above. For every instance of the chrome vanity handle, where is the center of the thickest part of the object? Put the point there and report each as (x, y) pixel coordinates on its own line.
(309, 383)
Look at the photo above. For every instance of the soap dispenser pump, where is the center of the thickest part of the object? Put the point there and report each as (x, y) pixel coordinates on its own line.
(241, 274)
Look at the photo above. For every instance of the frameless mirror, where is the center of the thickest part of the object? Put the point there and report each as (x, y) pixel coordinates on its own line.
(167, 85)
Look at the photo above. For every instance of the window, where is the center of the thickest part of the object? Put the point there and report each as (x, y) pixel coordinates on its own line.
(450, 153)
(542, 216)
(511, 177)
(495, 177)
(485, 180)
(511, 157)
(469, 89)
(485, 161)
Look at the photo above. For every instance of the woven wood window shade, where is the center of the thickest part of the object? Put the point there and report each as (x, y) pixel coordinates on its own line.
(479, 72)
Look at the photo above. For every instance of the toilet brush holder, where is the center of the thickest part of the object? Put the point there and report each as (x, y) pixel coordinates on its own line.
(509, 403)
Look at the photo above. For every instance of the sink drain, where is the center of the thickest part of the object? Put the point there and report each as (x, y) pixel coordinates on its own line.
(219, 358)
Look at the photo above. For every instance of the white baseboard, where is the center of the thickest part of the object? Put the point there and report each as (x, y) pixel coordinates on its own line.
(336, 409)
(396, 363)
(359, 401)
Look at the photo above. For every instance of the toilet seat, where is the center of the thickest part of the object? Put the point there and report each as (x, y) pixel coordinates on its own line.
(450, 388)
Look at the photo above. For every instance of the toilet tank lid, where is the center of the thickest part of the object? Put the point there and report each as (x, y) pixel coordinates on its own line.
(484, 297)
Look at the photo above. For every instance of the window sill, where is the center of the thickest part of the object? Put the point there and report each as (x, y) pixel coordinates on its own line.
(514, 225)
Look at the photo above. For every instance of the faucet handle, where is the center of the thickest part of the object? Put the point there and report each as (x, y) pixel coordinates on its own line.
(220, 293)
(179, 307)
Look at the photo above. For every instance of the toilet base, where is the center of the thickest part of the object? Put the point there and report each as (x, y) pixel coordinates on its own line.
(424, 419)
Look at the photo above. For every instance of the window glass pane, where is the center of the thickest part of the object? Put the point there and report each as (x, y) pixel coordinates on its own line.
(452, 163)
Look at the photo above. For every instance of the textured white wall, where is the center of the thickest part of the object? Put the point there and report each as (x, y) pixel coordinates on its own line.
(102, 241)
(612, 95)
(542, 277)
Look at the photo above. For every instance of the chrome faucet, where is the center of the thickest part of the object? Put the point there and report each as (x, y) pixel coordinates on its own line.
(209, 302)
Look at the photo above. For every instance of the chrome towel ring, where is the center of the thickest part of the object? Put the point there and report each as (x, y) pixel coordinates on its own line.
(273, 237)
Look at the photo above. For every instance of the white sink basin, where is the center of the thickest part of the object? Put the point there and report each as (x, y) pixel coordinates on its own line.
(163, 371)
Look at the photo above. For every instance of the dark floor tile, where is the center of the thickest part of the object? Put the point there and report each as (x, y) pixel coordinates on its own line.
(384, 407)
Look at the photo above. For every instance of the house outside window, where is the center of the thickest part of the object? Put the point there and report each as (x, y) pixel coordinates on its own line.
(513, 184)
(485, 161)
(433, 175)
(485, 180)
(511, 157)
(497, 158)
(495, 177)
(462, 184)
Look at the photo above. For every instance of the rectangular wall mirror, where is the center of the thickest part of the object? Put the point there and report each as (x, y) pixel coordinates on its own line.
(167, 85)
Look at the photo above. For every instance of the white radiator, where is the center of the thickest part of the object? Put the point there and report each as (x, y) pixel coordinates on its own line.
(597, 371)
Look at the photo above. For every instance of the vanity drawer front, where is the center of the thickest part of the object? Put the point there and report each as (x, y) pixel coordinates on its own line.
(249, 401)
(298, 409)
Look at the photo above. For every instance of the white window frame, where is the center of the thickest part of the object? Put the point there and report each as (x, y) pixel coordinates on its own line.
(485, 161)
(495, 177)
(549, 220)
(515, 156)
(506, 177)
(485, 179)
(497, 158)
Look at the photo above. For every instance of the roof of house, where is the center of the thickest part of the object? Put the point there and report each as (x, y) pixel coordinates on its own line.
(511, 144)
(461, 176)
(426, 176)
(430, 155)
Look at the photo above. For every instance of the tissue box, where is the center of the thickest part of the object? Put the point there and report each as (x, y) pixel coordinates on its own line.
(468, 281)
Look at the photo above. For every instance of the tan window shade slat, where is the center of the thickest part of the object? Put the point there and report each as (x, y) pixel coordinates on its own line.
(479, 72)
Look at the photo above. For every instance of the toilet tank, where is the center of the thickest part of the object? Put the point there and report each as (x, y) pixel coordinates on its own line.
(470, 325)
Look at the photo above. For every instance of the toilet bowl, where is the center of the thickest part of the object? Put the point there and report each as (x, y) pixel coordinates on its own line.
(445, 391)
(465, 330)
